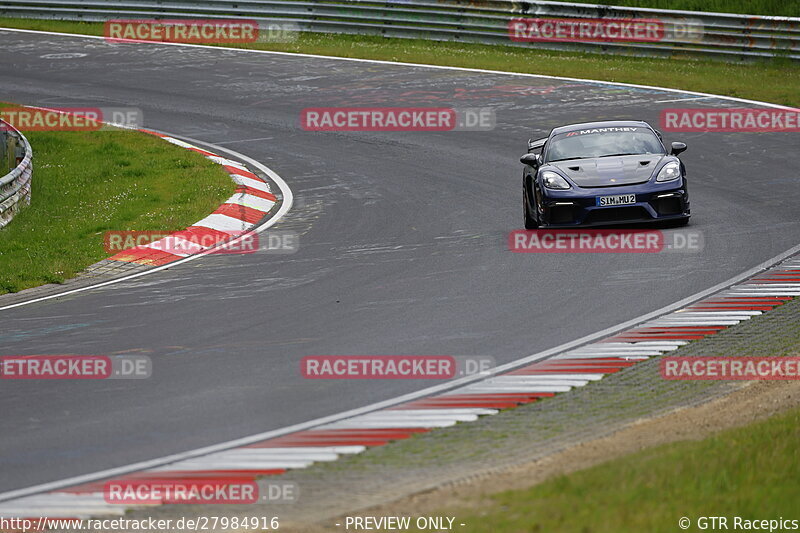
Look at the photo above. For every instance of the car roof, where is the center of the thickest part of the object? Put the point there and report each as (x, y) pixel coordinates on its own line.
(601, 124)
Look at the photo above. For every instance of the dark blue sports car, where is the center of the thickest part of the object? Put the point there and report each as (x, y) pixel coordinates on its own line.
(603, 173)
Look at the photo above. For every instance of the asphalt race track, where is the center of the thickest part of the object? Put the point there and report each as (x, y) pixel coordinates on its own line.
(403, 245)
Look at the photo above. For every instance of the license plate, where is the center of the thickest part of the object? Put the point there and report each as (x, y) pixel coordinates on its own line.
(619, 199)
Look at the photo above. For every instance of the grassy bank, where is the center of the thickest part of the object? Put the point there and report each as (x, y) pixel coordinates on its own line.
(748, 472)
(87, 183)
(772, 81)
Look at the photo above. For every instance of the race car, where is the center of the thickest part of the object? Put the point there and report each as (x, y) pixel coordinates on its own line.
(603, 173)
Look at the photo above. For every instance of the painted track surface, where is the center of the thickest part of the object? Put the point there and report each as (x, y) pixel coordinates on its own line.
(403, 246)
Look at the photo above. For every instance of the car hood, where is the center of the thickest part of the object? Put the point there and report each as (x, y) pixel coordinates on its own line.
(610, 171)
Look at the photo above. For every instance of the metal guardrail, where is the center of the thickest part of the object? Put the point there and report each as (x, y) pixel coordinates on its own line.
(686, 33)
(15, 187)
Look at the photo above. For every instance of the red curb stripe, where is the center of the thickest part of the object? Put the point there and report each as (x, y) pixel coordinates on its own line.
(464, 404)
(657, 330)
(500, 395)
(568, 360)
(659, 337)
(767, 299)
(570, 370)
(256, 192)
(339, 437)
(145, 256)
(732, 308)
(240, 172)
(241, 212)
(771, 303)
(204, 152)
(662, 330)
(153, 133)
(594, 361)
(203, 234)
(248, 473)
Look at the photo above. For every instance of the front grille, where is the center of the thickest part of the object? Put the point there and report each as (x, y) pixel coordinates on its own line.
(617, 214)
(562, 214)
(668, 206)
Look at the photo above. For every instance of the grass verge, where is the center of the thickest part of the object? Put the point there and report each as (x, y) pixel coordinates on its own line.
(749, 472)
(87, 183)
(773, 80)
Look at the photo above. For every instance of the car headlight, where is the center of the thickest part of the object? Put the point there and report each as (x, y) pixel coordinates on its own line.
(552, 180)
(671, 171)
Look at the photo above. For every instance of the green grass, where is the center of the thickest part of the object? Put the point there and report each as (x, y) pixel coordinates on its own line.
(749, 472)
(87, 183)
(774, 80)
(786, 8)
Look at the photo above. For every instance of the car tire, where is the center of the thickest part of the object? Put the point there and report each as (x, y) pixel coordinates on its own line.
(530, 222)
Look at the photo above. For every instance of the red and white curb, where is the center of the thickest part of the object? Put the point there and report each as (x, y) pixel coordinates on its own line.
(252, 202)
(560, 373)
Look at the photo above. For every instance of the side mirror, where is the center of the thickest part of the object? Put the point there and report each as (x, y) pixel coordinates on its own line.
(678, 148)
(530, 159)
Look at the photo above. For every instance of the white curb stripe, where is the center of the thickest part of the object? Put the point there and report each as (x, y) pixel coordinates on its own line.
(253, 202)
(250, 182)
(275, 463)
(514, 388)
(444, 413)
(578, 353)
(222, 222)
(226, 162)
(590, 357)
(716, 314)
(534, 380)
(182, 144)
(399, 424)
(549, 376)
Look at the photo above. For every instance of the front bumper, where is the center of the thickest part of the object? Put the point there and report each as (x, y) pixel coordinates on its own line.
(577, 206)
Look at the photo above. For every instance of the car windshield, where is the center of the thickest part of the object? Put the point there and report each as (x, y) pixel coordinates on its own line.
(603, 142)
